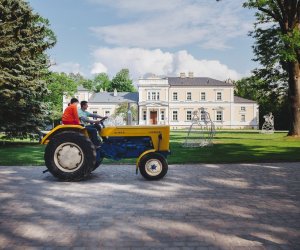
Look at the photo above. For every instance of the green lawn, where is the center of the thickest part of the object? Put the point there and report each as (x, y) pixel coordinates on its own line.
(238, 146)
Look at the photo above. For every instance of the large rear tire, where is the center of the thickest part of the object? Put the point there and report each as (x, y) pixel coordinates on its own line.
(70, 156)
(153, 166)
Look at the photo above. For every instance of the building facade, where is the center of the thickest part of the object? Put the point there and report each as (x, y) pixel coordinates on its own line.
(173, 100)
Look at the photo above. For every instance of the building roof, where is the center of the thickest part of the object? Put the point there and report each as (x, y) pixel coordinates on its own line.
(108, 97)
(196, 81)
(238, 99)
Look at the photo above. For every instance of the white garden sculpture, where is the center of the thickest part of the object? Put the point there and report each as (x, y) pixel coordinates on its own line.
(268, 126)
(201, 131)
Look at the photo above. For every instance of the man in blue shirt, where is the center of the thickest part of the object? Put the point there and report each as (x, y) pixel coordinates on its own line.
(90, 124)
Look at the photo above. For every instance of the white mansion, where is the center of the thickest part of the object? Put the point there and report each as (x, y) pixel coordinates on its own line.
(172, 100)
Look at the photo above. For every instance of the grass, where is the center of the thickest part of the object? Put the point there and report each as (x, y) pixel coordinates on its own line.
(229, 147)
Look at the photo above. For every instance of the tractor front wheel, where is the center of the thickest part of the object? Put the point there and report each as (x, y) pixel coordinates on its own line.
(153, 166)
(70, 156)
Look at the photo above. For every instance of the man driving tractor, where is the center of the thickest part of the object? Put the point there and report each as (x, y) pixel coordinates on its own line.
(91, 125)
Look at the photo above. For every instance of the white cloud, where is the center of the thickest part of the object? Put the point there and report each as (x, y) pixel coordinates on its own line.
(169, 23)
(67, 67)
(98, 68)
(142, 61)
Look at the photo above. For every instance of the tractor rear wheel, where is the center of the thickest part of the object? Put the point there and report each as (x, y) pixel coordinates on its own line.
(153, 166)
(70, 156)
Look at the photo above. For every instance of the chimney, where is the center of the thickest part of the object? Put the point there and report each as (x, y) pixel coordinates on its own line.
(115, 92)
(191, 74)
(182, 75)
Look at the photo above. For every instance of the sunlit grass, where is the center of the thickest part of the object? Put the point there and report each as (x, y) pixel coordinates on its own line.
(228, 147)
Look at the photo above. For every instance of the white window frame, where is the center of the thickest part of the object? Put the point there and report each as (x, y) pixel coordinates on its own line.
(202, 115)
(153, 95)
(243, 108)
(219, 113)
(95, 112)
(189, 96)
(173, 113)
(176, 96)
(162, 115)
(203, 99)
(188, 115)
(243, 118)
(217, 96)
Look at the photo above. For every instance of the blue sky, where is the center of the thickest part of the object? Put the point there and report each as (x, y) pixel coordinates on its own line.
(162, 37)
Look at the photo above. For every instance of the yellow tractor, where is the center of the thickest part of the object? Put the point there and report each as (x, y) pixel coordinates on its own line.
(71, 156)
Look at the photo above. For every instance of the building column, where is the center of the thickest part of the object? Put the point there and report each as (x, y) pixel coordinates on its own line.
(158, 116)
(140, 115)
(147, 115)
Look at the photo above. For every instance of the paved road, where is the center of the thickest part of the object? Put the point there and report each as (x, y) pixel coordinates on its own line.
(238, 206)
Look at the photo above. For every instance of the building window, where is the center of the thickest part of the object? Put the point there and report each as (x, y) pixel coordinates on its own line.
(95, 113)
(243, 108)
(219, 96)
(162, 115)
(153, 95)
(175, 115)
(189, 115)
(144, 115)
(175, 96)
(189, 96)
(203, 96)
(202, 115)
(107, 112)
(219, 116)
(243, 118)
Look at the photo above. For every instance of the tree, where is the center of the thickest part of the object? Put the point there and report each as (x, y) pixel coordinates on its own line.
(101, 81)
(24, 38)
(274, 101)
(122, 110)
(81, 81)
(277, 48)
(122, 82)
(59, 84)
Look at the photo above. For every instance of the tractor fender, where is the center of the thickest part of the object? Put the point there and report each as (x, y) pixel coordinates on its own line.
(144, 153)
(61, 128)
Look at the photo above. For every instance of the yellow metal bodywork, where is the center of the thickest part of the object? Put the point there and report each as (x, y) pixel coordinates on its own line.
(61, 128)
(155, 132)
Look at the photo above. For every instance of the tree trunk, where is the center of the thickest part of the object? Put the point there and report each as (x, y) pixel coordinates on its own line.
(294, 97)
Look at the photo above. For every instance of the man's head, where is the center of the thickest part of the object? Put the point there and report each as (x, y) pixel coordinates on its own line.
(84, 105)
(74, 100)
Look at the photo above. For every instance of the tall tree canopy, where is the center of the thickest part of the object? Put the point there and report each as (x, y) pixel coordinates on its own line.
(24, 38)
(101, 81)
(122, 82)
(277, 48)
(59, 84)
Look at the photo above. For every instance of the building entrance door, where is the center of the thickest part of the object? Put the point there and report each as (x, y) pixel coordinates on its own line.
(153, 117)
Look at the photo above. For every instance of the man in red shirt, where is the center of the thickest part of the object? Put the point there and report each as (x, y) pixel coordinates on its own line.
(70, 116)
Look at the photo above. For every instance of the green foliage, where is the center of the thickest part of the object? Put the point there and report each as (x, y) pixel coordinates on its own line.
(122, 82)
(270, 100)
(102, 81)
(122, 110)
(24, 38)
(277, 49)
(59, 84)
